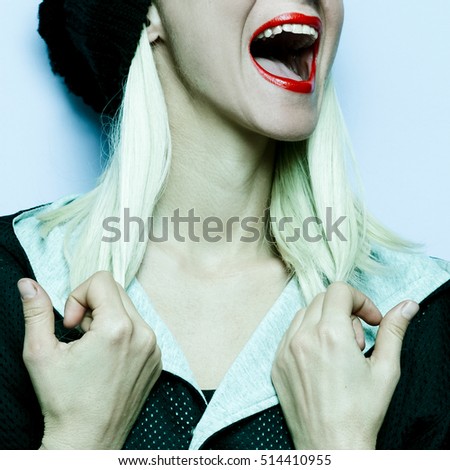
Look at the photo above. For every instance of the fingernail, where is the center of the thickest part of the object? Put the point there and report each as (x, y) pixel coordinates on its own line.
(26, 289)
(409, 310)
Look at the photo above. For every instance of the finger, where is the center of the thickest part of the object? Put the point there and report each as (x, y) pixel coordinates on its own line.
(359, 332)
(98, 297)
(312, 313)
(308, 316)
(75, 313)
(392, 331)
(38, 315)
(141, 329)
(130, 308)
(342, 300)
(293, 327)
(86, 322)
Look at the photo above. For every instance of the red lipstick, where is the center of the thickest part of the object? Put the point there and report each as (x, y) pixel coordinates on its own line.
(287, 83)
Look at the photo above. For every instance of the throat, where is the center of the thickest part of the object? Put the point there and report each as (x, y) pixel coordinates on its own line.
(212, 319)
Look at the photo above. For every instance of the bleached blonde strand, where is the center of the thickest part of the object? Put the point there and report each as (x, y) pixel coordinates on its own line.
(311, 180)
(133, 179)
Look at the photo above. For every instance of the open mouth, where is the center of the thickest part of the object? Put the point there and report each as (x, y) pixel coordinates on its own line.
(284, 51)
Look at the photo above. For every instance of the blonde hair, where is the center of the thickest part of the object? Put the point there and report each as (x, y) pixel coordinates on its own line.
(134, 178)
(310, 177)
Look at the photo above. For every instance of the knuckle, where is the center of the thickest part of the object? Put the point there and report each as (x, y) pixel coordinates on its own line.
(280, 369)
(298, 345)
(120, 331)
(27, 355)
(278, 363)
(34, 313)
(157, 356)
(320, 296)
(396, 330)
(32, 353)
(328, 333)
(156, 371)
(295, 344)
(317, 302)
(282, 360)
(102, 277)
(149, 341)
(281, 377)
(151, 338)
(154, 363)
(339, 285)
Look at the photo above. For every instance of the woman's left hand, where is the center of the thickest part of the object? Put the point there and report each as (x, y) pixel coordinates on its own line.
(332, 396)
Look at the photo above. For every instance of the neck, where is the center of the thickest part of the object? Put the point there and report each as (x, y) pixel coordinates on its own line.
(220, 175)
(219, 178)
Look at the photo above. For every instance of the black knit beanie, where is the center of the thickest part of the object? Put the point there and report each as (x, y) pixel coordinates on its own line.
(91, 44)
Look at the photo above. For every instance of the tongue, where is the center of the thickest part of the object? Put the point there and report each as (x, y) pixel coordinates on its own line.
(275, 67)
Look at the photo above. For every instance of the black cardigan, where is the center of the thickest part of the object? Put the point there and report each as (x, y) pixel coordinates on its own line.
(418, 416)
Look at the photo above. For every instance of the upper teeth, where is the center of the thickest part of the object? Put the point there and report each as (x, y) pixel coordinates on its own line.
(288, 28)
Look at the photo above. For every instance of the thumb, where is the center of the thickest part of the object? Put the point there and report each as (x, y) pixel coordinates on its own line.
(38, 315)
(392, 330)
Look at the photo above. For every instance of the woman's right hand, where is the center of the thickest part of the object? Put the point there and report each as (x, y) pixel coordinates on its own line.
(92, 390)
(332, 396)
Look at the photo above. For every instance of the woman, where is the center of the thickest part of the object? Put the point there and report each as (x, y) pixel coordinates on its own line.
(225, 202)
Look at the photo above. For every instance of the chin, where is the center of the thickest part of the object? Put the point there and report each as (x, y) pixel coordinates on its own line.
(290, 130)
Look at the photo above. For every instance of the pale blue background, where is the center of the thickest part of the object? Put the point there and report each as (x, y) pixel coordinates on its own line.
(392, 74)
